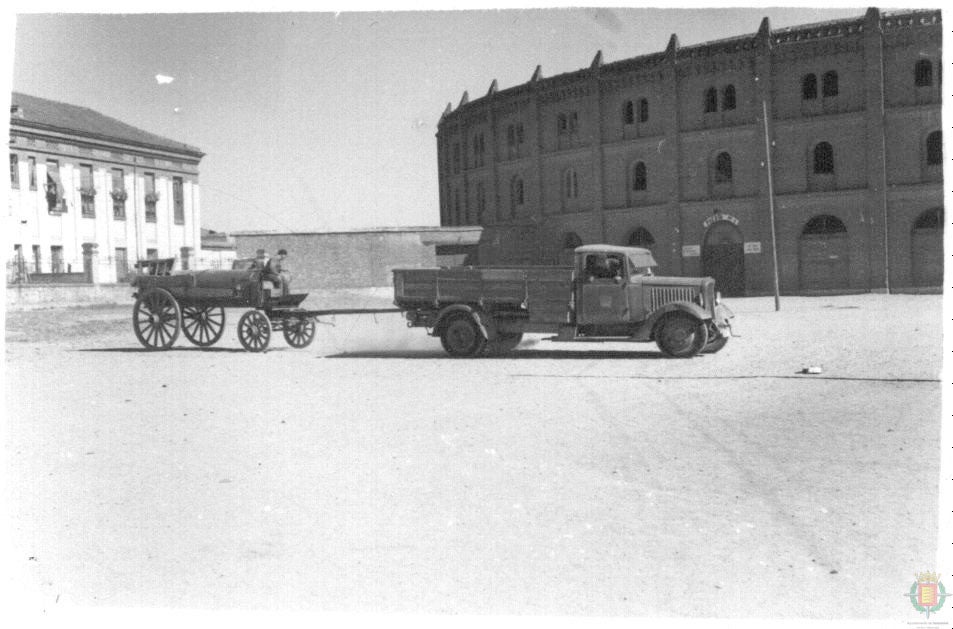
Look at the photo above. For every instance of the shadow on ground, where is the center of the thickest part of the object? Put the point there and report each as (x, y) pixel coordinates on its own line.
(527, 354)
(143, 350)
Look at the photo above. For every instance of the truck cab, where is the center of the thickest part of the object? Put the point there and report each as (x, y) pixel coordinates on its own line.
(616, 293)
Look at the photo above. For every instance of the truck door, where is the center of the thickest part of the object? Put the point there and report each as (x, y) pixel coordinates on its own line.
(603, 298)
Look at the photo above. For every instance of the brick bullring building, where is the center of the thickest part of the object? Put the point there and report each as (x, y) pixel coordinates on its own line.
(668, 151)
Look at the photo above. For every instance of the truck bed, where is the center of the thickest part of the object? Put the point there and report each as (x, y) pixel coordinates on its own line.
(542, 294)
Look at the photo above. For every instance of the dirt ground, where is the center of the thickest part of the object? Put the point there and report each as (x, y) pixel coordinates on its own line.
(371, 473)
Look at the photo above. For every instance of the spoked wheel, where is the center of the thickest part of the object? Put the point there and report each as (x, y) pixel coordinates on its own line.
(155, 319)
(461, 337)
(681, 336)
(299, 332)
(203, 326)
(254, 331)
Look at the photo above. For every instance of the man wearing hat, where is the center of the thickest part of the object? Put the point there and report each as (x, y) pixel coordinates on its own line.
(272, 272)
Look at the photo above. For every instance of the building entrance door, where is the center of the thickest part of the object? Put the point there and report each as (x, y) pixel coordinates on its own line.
(927, 249)
(723, 258)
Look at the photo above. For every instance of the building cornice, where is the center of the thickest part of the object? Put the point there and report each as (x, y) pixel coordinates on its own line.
(63, 134)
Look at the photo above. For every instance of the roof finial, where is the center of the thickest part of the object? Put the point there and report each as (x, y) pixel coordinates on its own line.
(596, 61)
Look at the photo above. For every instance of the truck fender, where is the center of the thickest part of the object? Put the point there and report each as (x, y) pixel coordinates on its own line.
(679, 306)
(484, 321)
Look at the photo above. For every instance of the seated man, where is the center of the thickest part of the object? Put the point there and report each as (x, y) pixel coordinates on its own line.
(272, 273)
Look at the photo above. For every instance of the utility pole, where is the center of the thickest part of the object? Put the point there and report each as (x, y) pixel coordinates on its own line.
(774, 238)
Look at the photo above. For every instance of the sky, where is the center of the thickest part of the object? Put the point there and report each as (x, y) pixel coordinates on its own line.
(326, 121)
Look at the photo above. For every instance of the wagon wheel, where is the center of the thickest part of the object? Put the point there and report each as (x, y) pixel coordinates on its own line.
(299, 332)
(254, 331)
(203, 326)
(156, 319)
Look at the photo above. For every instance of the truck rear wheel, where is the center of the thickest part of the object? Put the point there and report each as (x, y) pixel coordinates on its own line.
(681, 336)
(502, 344)
(461, 337)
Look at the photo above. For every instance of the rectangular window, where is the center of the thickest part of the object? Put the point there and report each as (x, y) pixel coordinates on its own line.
(14, 171)
(56, 259)
(152, 254)
(37, 259)
(456, 158)
(122, 264)
(53, 188)
(31, 161)
(87, 191)
(150, 196)
(178, 200)
(118, 194)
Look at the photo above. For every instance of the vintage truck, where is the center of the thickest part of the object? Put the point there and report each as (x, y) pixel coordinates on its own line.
(609, 293)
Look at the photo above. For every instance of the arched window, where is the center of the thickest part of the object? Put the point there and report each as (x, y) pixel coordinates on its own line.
(639, 177)
(628, 112)
(830, 83)
(935, 149)
(641, 237)
(824, 224)
(643, 110)
(570, 184)
(711, 100)
(809, 87)
(728, 98)
(723, 168)
(923, 73)
(516, 193)
(823, 159)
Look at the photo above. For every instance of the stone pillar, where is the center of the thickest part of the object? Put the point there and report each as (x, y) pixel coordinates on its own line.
(186, 256)
(91, 262)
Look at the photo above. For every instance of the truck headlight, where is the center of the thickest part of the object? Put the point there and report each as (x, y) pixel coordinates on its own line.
(717, 298)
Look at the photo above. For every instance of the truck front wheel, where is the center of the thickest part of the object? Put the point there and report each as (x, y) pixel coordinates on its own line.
(681, 336)
(461, 337)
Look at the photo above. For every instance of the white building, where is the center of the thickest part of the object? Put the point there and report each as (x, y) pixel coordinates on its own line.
(91, 195)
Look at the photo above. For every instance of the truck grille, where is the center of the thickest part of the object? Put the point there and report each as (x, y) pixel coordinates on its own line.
(659, 296)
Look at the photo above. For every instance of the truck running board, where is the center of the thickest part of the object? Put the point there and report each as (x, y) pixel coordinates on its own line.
(591, 339)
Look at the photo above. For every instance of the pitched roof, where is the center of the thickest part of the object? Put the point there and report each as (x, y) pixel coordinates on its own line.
(42, 112)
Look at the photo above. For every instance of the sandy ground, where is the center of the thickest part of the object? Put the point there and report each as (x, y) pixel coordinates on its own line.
(371, 473)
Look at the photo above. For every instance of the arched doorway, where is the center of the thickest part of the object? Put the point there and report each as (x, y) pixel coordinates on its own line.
(823, 254)
(723, 258)
(926, 242)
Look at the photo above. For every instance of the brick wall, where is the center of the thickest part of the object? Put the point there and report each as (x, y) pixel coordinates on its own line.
(341, 260)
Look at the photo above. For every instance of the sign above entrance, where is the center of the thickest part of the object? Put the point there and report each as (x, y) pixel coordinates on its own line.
(718, 216)
(691, 251)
